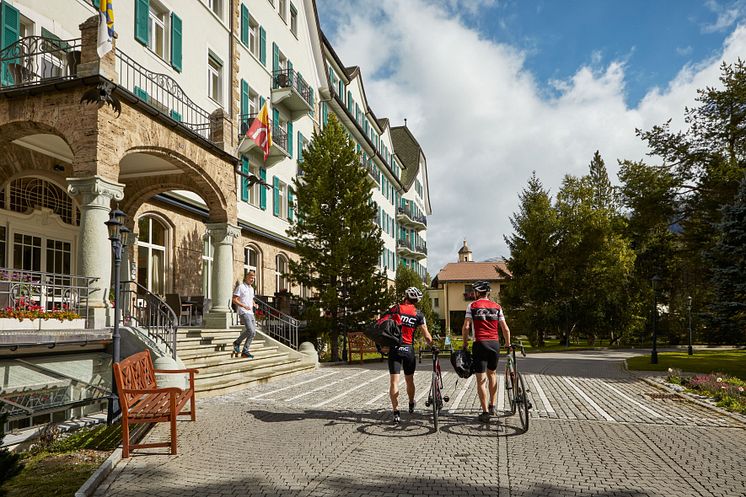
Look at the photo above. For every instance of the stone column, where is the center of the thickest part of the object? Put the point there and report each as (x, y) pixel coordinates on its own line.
(222, 133)
(94, 196)
(90, 63)
(222, 235)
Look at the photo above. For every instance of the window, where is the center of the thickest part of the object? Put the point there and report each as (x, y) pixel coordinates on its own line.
(293, 20)
(252, 262)
(281, 270)
(214, 78)
(216, 6)
(436, 302)
(157, 39)
(253, 37)
(151, 254)
(283, 7)
(26, 27)
(283, 199)
(254, 191)
(207, 256)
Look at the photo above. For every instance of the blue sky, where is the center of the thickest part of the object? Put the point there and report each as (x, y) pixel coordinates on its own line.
(496, 89)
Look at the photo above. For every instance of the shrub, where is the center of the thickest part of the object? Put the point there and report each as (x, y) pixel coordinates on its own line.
(10, 464)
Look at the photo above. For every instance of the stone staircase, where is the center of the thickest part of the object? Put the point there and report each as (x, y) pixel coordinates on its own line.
(210, 351)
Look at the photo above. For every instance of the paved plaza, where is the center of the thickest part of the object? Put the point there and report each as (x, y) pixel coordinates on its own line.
(595, 430)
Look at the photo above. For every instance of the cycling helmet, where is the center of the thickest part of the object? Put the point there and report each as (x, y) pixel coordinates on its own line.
(413, 294)
(481, 286)
(461, 362)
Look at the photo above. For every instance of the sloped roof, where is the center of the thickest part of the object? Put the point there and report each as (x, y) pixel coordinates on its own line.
(408, 150)
(472, 271)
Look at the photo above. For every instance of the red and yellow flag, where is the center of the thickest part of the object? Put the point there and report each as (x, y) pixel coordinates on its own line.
(260, 131)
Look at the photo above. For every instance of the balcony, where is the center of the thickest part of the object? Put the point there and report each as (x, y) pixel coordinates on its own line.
(404, 247)
(372, 170)
(278, 150)
(36, 60)
(290, 91)
(420, 251)
(406, 217)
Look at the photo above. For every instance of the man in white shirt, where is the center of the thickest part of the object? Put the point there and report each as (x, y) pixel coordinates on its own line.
(243, 298)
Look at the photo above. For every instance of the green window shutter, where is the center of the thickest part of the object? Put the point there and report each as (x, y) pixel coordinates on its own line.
(300, 146)
(244, 180)
(290, 139)
(9, 33)
(311, 99)
(262, 46)
(142, 10)
(244, 97)
(141, 94)
(261, 102)
(275, 117)
(175, 115)
(262, 189)
(290, 66)
(97, 4)
(176, 42)
(276, 196)
(275, 57)
(244, 25)
(291, 206)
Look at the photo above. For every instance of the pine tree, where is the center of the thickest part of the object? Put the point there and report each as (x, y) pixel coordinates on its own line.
(335, 235)
(604, 196)
(10, 464)
(728, 261)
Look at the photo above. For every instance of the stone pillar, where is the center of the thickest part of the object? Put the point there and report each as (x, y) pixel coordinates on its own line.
(90, 63)
(221, 130)
(94, 196)
(222, 235)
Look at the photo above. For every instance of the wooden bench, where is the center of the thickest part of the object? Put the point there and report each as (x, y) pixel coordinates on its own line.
(143, 401)
(358, 343)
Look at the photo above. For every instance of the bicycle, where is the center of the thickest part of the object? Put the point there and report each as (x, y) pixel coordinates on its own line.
(436, 398)
(515, 387)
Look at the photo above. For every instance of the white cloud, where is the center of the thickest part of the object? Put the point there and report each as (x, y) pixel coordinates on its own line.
(483, 122)
(727, 15)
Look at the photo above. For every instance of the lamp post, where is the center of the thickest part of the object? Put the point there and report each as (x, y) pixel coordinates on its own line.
(689, 311)
(654, 354)
(119, 235)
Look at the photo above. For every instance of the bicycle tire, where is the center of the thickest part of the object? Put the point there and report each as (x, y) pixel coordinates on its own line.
(436, 398)
(510, 389)
(522, 403)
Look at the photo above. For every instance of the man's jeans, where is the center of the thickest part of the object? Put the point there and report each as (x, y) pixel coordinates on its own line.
(248, 333)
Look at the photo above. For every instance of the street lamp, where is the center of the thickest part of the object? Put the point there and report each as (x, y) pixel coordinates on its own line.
(689, 311)
(654, 354)
(119, 235)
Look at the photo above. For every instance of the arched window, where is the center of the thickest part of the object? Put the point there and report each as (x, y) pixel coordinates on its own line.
(152, 254)
(25, 194)
(252, 260)
(281, 270)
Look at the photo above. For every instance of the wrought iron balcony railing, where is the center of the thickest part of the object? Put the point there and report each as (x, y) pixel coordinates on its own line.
(289, 78)
(279, 134)
(163, 93)
(36, 60)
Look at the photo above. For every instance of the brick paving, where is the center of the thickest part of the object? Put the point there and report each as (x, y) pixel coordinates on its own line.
(328, 433)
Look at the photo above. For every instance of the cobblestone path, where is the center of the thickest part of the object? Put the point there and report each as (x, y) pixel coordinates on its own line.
(595, 430)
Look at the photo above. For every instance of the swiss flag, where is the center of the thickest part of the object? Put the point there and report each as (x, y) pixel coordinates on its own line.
(260, 131)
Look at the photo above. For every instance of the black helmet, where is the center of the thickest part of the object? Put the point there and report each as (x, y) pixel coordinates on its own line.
(413, 294)
(461, 362)
(481, 286)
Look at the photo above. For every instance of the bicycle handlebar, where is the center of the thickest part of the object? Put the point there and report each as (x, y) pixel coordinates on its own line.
(520, 347)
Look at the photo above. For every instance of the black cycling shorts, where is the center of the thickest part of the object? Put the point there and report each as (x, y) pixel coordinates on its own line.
(484, 355)
(402, 356)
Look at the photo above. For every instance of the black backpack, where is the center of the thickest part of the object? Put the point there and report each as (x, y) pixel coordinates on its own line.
(462, 363)
(386, 332)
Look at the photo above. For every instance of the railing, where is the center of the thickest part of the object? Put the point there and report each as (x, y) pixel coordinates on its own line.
(288, 78)
(404, 243)
(40, 295)
(163, 93)
(420, 249)
(279, 135)
(34, 60)
(278, 325)
(147, 311)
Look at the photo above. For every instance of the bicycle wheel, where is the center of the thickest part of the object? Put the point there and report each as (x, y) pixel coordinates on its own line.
(510, 388)
(435, 389)
(522, 403)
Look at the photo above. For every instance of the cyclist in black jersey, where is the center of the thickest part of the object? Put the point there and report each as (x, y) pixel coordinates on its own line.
(410, 319)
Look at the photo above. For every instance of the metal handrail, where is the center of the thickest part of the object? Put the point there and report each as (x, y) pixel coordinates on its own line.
(34, 60)
(52, 294)
(279, 135)
(289, 78)
(278, 325)
(163, 93)
(145, 310)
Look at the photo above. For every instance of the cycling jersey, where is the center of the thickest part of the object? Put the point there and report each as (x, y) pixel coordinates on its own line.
(409, 317)
(485, 316)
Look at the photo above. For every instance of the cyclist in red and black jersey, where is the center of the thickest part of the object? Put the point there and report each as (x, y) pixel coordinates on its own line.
(411, 319)
(486, 316)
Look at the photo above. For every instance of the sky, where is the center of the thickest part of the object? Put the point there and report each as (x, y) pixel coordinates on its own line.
(496, 89)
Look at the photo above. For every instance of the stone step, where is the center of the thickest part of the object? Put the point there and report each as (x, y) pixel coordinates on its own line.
(206, 343)
(209, 387)
(209, 355)
(229, 366)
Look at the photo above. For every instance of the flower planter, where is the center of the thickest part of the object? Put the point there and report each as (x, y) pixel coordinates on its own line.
(10, 324)
(52, 324)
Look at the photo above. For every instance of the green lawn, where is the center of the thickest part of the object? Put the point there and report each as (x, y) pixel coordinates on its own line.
(730, 361)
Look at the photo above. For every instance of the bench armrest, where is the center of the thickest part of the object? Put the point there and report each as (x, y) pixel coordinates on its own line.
(154, 390)
(189, 370)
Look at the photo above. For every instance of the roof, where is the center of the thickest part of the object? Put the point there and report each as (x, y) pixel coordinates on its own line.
(409, 151)
(472, 271)
(465, 249)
